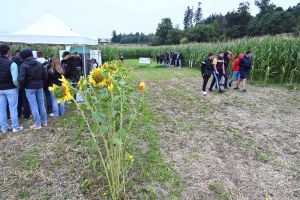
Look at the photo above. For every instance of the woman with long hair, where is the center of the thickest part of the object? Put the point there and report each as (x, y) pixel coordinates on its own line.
(54, 74)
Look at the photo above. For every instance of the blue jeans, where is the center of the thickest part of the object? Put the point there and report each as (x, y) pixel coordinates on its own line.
(226, 79)
(36, 101)
(11, 96)
(180, 62)
(25, 103)
(55, 106)
(216, 79)
(165, 63)
(49, 100)
(234, 75)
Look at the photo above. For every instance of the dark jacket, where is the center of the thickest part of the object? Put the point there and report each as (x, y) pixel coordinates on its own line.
(53, 77)
(180, 56)
(207, 66)
(32, 75)
(78, 62)
(70, 67)
(17, 60)
(6, 82)
(245, 63)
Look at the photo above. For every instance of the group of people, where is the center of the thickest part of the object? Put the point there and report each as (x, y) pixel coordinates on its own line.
(170, 59)
(218, 67)
(25, 81)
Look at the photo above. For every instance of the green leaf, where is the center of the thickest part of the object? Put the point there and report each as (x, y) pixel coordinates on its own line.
(122, 83)
(122, 133)
(83, 106)
(113, 114)
(108, 167)
(94, 128)
(80, 122)
(99, 118)
(118, 141)
(104, 129)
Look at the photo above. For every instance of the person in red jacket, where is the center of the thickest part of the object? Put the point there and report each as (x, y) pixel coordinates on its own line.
(235, 69)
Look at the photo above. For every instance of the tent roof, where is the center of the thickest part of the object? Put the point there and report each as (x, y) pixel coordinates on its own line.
(80, 50)
(47, 30)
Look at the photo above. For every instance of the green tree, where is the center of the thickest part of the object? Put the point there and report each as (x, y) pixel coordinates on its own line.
(202, 33)
(188, 18)
(198, 14)
(114, 38)
(162, 30)
(174, 36)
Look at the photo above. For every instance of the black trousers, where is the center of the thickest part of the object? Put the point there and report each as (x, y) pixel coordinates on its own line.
(205, 81)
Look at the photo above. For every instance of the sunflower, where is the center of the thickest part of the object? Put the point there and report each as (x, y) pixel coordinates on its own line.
(57, 93)
(66, 92)
(110, 82)
(115, 68)
(142, 86)
(125, 76)
(82, 83)
(104, 66)
(96, 78)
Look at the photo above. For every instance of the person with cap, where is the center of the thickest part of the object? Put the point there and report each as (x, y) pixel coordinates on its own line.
(32, 75)
(8, 91)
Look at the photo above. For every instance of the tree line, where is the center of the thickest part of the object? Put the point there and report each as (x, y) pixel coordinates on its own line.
(270, 20)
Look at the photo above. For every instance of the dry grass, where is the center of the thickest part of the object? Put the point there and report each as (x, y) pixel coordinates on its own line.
(228, 146)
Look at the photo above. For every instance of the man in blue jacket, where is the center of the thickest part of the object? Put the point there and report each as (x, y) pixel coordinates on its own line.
(245, 66)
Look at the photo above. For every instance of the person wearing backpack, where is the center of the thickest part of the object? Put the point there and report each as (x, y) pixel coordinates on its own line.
(206, 70)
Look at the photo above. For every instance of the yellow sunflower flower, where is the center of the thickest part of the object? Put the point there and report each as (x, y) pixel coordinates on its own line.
(82, 83)
(115, 68)
(110, 82)
(57, 93)
(96, 78)
(142, 87)
(125, 76)
(131, 158)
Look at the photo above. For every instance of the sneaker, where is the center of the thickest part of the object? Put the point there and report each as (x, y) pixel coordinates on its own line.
(44, 125)
(244, 91)
(17, 129)
(229, 84)
(236, 88)
(52, 115)
(227, 88)
(35, 127)
(204, 93)
(221, 91)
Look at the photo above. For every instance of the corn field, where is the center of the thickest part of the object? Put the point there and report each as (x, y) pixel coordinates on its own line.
(275, 60)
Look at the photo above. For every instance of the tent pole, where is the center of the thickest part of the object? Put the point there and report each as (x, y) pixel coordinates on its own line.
(84, 66)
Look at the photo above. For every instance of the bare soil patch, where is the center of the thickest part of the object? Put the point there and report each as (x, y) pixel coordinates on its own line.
(231, 145)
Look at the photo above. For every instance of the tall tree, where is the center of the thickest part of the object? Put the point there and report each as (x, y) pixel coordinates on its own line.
(114, 38)
(188, 18)
(162, 30)
(198, 14)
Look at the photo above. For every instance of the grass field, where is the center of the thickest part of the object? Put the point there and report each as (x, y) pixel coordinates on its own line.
(189, 146)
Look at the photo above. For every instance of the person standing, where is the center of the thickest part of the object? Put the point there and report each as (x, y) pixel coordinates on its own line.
(46, 65)
(245, 65)
(219, 69)
(206, 70)
(235, 69)
(8, 91)
(31, 77)
(70, 65)
(54, 74)
(157, 58)
(228, 56)
(171, 58)
(79, 64)
(179, 59)
(165, 60)
(22, 100)
(121, 57)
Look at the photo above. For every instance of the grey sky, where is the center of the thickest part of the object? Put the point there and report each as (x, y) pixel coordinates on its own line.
(97, 18)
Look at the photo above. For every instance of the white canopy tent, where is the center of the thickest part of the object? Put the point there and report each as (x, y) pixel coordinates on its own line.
(47, 30)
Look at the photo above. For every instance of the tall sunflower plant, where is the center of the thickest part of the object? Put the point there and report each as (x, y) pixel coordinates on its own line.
(111, 104)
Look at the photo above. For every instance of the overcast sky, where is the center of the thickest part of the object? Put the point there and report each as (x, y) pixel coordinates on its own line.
(97, 18)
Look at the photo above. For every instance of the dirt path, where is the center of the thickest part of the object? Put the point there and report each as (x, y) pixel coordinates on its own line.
(232, 145)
